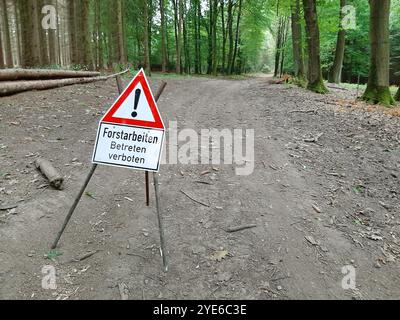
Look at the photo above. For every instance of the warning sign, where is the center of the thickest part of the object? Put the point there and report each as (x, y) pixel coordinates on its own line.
(131, 133)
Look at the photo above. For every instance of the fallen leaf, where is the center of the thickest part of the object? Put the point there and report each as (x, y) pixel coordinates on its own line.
(219, 255)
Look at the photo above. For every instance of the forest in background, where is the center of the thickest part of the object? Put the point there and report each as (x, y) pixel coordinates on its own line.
(206, 37)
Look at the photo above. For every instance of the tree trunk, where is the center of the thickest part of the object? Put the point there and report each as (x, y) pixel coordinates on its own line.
(237, 37)
(72, 33)
(52, 40)
(87, 60)
(299, 69)
(12, 87)
(164, 61)
(183, 17)
(278, 51)
(180, 22)
(315, 80)
(230, 34)
(2, 65)
(223, 35)
(197, 14)
(30, 74)
(122, 59)
(18, 31)
(30, 33)
(43, 41)
(210, 37)
(110, 35)
(335, 73)
(214, 37)
(378, 81)
(177, 37)
(7, 41)
(285, 35)
(146, 37)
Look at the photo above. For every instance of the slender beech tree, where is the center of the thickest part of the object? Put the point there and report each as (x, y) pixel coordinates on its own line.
(2, 65)
(214, 37)
(315, 80)
(197, 36)
(7, 40)
(235, 51)
(223, 32)
(230, 34)
(335, 73)
(178, 35)
(145, 9)
(297, 40)
(72, 32)
(122, 58)
(378, 81)
(85, 39)
(164, 58)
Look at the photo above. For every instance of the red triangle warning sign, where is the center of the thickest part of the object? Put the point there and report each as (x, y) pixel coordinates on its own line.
(135, 106)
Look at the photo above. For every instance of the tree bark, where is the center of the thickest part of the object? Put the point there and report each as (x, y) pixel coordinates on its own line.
(52, 41)
(30, 74)
(7, 41)
(72, 33)
(335, 73)
(177, 36)
(52, 174)
(315, 80)
(180, 22)
(237, 37)
(214, 37)
(210, 37)
(197, 23)
(230, 34)
(122, 58)
(378, 81)
(146, 36)
(299, 69)
(223, 31)
(285, 35)
(2, 65)
(183, 17)
(164, 61)
(279, 45)
(13, 87)
(30, 33)
(87, 60)
(43, 41)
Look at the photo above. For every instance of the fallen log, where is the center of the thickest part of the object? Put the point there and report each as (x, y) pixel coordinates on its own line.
(42, 74)
(51, 173)
(12, 87)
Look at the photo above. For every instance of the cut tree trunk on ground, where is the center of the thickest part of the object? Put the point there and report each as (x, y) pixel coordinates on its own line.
(13, 87)
(39, 74)
(51, 173)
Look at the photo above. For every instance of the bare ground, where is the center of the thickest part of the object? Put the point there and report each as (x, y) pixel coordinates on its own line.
(324, 194)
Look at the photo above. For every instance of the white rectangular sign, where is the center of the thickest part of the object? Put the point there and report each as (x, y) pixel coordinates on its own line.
(128, 146)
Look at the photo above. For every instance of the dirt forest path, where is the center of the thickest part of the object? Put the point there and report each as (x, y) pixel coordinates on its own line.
(323, 195)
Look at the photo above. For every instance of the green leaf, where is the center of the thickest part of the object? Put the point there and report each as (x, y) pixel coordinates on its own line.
(52, 254)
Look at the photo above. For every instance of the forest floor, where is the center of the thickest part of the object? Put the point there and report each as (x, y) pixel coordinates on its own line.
(324, 194)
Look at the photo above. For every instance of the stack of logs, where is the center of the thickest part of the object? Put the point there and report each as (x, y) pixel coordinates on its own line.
(13, 81)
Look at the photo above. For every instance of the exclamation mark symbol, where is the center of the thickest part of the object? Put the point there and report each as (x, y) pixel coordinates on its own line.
(137, 97)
